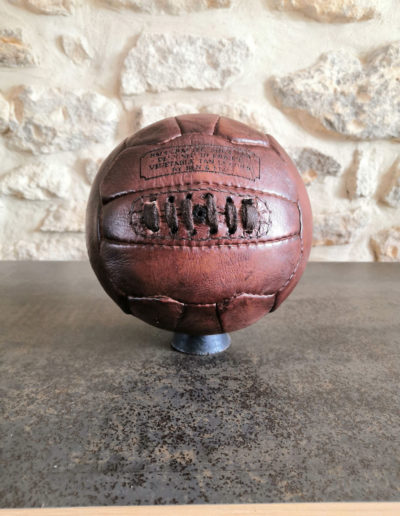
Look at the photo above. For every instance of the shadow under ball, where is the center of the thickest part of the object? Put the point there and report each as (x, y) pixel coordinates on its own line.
(198, 224)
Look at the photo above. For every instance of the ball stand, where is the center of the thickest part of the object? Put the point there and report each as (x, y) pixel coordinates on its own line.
(201, 344)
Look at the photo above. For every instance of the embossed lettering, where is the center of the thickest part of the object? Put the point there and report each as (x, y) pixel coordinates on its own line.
(189, 159)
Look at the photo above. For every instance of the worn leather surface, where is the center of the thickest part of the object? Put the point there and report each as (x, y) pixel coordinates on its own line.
(198, 224)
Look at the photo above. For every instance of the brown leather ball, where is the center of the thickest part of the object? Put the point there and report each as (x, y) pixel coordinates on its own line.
(198, 224)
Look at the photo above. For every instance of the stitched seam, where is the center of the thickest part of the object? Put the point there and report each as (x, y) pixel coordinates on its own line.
(301, 251)
(216, 125)
(251, 143)
(210, 183)
(234, 296)
(100, 236)
(156, 143)
(238, 294)
(219, 319)
(109, 279)
(254, 143)
(99, 226)
(179, 125)
(153, 238)
(99, 211)
(181, 315)
(100, 216)
(170, 139)
(239, 244)
(273, 147)
(194, 190)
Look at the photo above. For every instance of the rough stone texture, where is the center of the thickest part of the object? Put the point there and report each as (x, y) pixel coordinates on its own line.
(66, 217)
(334, 11)
(169, 6)
(346, 95)
(14, 50)
(363, 175)
(91, 167)
(43, 247)
(36, 181)
(386, 245)
(45, 120)
(312, 164)
(55, 7)
(4, 114)
(245, 112)
(161, 62)
(392, 192)
(205, 45)
(336, 228)
(98, 410)
(147, 114)
(76, 48)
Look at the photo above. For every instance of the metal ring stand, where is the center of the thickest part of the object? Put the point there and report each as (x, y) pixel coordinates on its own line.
(200, 344)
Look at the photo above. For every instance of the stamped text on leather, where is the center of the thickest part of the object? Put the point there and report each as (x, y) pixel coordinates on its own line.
(217, 159)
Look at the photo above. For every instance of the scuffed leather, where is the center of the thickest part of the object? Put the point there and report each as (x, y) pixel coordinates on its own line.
(182, 271)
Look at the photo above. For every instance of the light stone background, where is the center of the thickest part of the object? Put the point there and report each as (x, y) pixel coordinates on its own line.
(321, 76)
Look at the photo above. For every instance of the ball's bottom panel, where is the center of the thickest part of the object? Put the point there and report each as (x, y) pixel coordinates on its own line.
(201, 344)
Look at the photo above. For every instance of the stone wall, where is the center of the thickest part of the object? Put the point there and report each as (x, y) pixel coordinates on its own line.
(321, 76)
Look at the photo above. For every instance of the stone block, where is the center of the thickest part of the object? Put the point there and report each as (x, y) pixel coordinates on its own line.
(346, 95)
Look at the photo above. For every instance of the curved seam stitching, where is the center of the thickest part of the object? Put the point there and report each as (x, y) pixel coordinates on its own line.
(152, 143)
(258, 143)
(216, 125)
(180, 318)
(183, 246)
(255, 190)
(100, 199)
(234, 296)
(110, 280)
(255, 143)
(219, 317)
(179, 125)
(301, 251)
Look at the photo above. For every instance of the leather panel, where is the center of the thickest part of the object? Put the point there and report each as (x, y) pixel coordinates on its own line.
(188, 274)
(243, 310)
(199, 320)
(162, 312)
(185, 160)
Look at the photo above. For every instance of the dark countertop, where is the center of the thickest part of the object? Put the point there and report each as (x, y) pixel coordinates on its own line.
(98, 410)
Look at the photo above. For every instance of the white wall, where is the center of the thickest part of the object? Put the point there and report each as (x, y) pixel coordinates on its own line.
(77, 77)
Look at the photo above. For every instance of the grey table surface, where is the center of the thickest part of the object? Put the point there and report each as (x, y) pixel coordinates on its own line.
(98, 410)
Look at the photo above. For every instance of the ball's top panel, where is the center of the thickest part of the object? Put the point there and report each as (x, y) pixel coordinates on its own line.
(199, 149)
(171, 128)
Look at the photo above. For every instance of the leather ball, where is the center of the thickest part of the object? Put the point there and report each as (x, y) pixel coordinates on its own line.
(198, 224)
